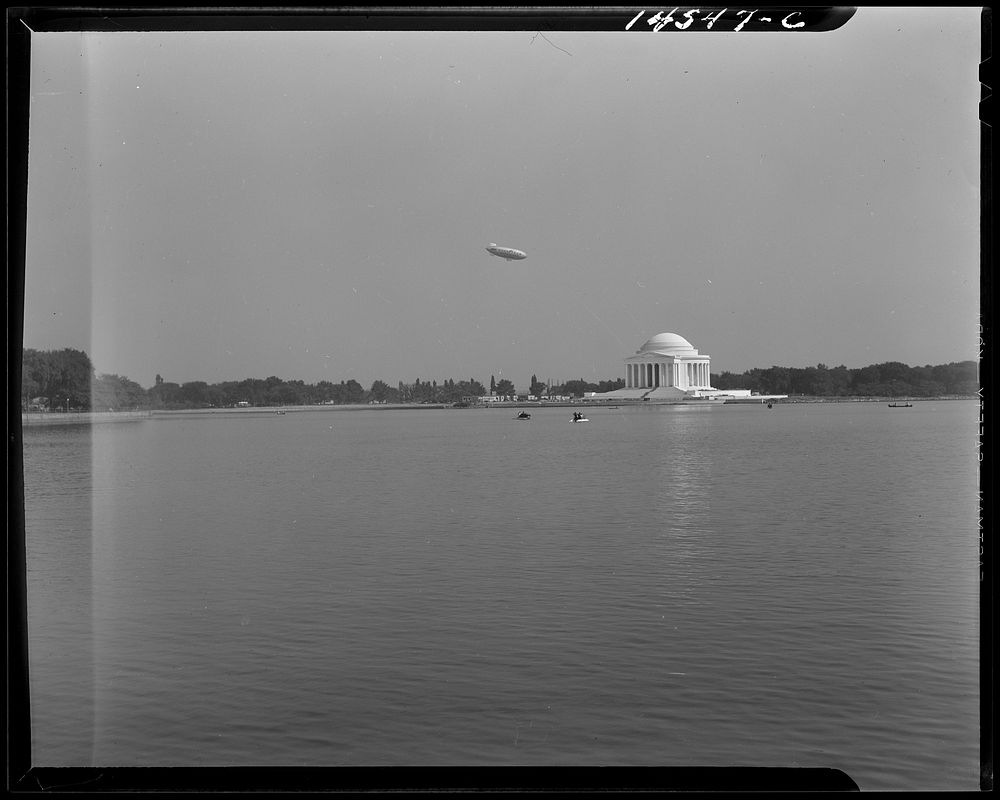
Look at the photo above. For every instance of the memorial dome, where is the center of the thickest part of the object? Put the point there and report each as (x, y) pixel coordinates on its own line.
(668, 344)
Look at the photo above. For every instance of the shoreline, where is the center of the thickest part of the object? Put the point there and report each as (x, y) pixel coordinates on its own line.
(32, 419)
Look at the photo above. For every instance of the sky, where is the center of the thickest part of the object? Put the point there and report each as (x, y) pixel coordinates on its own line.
(315, 205)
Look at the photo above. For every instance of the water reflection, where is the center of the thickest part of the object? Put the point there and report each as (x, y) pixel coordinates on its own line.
(683, 467)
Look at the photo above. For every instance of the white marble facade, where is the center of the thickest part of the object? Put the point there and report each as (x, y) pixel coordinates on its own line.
(668, 361)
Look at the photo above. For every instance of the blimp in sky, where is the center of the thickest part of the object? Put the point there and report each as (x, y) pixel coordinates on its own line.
(508, 253)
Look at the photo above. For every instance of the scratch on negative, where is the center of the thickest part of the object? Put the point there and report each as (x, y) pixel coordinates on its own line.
(546, 38)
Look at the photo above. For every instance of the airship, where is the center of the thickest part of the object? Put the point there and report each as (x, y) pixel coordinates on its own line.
(508, 253)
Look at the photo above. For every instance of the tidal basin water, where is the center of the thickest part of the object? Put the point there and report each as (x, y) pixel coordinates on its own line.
(725, 585)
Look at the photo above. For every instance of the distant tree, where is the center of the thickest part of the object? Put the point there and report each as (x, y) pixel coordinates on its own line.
(504, 387)
(471, 388)
(449, 392)
(493, 384)
(420, 392)
(380, 391)
(840, 381)
(272, 393)
(34, 376)
(577, 388)
(802, 381)
(958, 378)
(537, 388)
(779, 379)
(193, 394)
(894, 371)
(727, 380)
(865, 381)
(62, 377)
(287, 394)
(115, 393)
(166, 395)
(353, 392)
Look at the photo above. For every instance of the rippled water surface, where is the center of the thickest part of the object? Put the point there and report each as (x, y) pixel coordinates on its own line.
(724, 585)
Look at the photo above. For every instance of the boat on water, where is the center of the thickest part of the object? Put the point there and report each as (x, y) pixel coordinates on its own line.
(900, 405)
(523, 415)
(578, 417)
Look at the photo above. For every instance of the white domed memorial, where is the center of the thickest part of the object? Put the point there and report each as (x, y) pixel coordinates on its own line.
(666, 368)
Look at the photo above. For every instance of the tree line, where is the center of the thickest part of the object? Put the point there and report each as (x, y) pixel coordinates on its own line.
(55, 380)
(65, 380)
(890, 379)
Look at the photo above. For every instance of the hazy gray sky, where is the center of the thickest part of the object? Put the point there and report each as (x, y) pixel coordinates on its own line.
(216, 206)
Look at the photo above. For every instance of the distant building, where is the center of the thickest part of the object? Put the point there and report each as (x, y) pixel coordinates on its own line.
(487, 399)
(668, 368)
